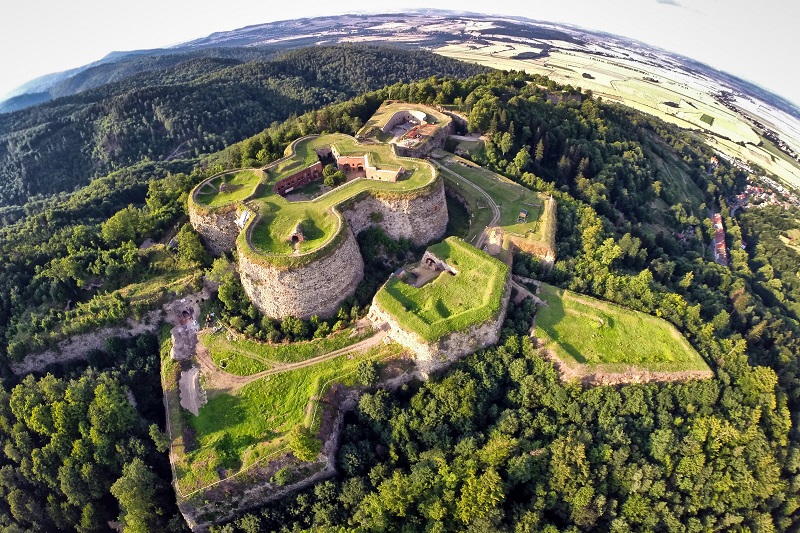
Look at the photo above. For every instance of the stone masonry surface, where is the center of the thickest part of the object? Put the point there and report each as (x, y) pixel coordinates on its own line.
(433, 356)
(315, 289)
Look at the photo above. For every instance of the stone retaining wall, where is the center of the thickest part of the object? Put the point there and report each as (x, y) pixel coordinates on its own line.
(433, 356)
(217, 229)
(420, 219)
(315, 289)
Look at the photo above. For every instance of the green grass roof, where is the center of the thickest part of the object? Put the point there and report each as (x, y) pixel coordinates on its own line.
(270, 232)
(583, 330)
(239, 185)
(448, 303)
(386, 111)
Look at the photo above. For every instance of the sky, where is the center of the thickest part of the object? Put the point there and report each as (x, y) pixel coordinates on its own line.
(755, 40)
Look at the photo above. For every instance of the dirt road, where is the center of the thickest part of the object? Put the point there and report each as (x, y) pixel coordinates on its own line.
(492, 204)
(218, 380)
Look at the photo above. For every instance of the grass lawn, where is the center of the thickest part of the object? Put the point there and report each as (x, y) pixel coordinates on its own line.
(587, 331)
(278, 217)
(386, 111)
(241, 185)
(245, 357)
(509, 196)
(233, 431)
(448, 303)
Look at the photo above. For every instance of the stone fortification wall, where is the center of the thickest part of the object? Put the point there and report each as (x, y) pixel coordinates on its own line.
(425, 148)
(217, 229)
(318, 288)
(420, 219)
(433, 356)
(404, 116)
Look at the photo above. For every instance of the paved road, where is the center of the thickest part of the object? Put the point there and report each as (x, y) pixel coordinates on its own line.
(492, 204)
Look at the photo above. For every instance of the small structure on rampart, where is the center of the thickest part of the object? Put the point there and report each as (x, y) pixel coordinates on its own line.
(450, 315)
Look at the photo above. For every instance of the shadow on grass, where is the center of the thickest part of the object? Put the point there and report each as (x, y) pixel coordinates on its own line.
(556, 314)
(311, 231)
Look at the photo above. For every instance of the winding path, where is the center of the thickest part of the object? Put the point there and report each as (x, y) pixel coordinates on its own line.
(218, 379)
(492, 204)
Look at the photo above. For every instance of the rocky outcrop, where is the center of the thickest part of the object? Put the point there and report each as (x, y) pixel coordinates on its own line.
(433, 356)
(318, 288)
(421, 219)
(217, 229)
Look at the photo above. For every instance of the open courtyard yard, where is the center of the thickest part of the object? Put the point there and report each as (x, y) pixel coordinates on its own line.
(581, 330)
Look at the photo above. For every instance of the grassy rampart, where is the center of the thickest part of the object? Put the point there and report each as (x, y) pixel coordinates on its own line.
(583, 330)
(450, 302)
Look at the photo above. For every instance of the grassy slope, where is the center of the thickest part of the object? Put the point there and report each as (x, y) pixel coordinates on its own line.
(510, 198)
(479, 211)
(624, 337)
(449, 303)
(245, 357)
(233, 431)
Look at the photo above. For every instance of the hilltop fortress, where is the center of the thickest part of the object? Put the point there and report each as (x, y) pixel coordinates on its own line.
(299, 256)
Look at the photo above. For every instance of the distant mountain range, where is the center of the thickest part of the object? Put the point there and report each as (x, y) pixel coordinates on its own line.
(427, 29)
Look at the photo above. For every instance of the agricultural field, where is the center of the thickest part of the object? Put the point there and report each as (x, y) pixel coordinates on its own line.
(772, 161)
(278, 216)
(450, 302)
(584, 331)
(669, 94)
(674, 98)
(245, 357)
(238, 428)
(238, 186)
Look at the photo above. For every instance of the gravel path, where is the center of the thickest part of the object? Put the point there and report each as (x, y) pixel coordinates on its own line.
(217, 380)
(492, 204)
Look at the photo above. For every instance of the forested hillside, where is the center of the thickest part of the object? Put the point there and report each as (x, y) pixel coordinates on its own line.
(497, 443)
(195, 107)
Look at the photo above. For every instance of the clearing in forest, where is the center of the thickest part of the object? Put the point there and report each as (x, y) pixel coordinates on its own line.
(247, 425)
(583, 331)
(793, 240)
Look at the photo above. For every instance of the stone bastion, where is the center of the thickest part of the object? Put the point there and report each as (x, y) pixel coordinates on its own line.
(318, 281)
(440, 350)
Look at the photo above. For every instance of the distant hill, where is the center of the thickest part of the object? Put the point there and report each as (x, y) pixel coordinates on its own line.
(414, 29)
(196, 106)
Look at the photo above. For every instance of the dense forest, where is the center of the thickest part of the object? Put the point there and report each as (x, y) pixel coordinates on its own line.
(499, 443)
(198, 106)
(496, 443)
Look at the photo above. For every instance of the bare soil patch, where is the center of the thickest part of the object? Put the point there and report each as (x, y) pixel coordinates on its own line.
(597, 375)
